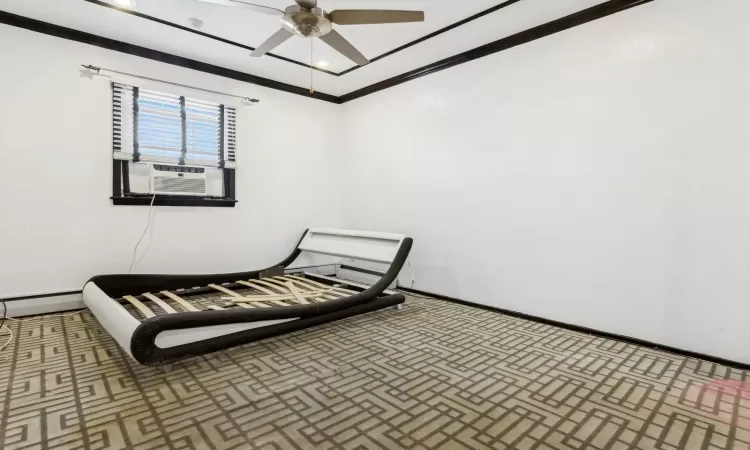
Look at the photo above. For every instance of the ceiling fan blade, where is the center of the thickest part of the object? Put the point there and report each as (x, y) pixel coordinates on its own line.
(374, 16)
(244, 5)
(341, 45)
(309, 4)
(271, 43)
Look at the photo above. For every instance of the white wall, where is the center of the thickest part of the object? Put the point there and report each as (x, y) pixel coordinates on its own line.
(599, 177)
(57, 224)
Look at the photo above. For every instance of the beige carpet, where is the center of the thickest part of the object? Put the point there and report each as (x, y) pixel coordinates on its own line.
(434, 376)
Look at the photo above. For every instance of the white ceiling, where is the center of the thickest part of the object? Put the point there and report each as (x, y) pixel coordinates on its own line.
(252, 29)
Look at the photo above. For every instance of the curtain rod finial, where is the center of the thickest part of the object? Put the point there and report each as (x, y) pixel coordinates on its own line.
(247, 101)
(91, 68)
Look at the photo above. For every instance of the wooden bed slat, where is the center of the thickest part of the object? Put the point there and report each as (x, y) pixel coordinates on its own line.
(248, 304)
(182, 302)
(215, 308)
(297, 293)
(256, 287)
(237, 295)
(316, 283)
(162, 304)
(224, 290)
(310, 282)
(140, 306)
(305, 288)
(277, 297)
(341, 292)
(283, 290)
(275, 281)
(286, 287)
(330, 294)
(287, 279)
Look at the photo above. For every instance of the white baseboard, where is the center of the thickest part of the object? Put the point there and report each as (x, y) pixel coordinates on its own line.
(44, 305)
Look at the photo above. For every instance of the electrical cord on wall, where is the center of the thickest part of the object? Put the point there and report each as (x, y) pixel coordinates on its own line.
(135, 250)
(5, 315)
(10, 332)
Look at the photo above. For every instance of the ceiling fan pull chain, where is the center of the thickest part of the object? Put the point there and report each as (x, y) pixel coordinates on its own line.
(312, 72)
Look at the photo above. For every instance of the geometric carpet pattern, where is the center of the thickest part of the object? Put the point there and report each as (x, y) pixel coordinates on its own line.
(435, 375)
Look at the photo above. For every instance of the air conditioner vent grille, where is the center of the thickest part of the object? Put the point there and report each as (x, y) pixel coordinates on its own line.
(180, 185)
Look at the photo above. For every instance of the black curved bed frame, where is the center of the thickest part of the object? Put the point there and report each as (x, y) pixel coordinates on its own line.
(142, 342)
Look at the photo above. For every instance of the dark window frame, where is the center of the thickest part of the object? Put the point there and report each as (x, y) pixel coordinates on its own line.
(121, 193)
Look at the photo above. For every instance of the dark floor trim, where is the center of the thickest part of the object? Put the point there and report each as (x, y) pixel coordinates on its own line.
(532, 34)
(200, 33)
(123, 47)
(32, 297)
(580, 329)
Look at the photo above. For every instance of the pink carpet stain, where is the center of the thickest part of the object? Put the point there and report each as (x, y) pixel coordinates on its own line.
(724, 397)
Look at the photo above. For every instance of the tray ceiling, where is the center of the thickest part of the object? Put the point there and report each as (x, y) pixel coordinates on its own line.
(232, 31)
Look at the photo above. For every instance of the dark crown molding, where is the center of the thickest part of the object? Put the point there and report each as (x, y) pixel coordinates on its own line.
(167, 58)
(588, 15)
(565, 23)
(200, 33)
(479, 15)
(299, 63)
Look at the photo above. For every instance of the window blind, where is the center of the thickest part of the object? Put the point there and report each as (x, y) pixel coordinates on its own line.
(158, 127)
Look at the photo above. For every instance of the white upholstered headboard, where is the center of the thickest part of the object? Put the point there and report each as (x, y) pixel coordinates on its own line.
(363, 245)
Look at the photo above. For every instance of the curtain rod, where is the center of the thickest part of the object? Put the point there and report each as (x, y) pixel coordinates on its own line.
(245, 100)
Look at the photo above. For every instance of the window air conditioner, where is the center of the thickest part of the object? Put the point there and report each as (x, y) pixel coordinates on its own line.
(178, 180)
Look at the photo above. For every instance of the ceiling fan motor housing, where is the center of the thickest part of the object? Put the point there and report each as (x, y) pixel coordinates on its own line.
(305, 22)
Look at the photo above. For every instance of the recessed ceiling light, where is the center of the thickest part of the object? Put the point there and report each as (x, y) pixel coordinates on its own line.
(196, 23)
(126, 3)
(322, 63)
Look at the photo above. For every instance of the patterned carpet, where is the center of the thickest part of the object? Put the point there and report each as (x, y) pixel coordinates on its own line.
(434, 376)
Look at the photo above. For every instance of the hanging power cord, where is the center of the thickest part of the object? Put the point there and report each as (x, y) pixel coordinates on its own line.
(413, 280)
(135, 250)
(5, 314)
(10, 332)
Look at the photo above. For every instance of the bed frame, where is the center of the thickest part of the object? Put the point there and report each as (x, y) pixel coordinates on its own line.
(154, 320)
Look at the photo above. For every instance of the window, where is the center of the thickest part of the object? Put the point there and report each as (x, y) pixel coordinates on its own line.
(180, 149)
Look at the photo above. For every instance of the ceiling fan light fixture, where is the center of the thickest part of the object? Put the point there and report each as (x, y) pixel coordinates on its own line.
(307, 30)
(322, 63)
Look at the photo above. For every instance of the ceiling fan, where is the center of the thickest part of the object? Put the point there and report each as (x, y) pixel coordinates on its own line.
(307, 20)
